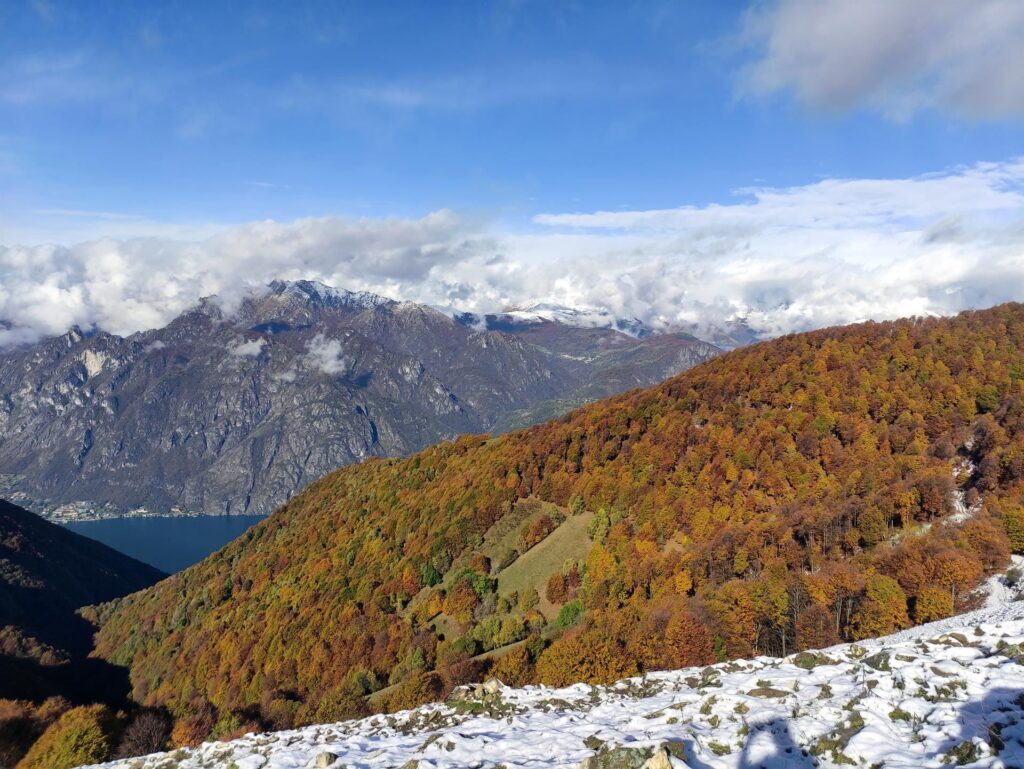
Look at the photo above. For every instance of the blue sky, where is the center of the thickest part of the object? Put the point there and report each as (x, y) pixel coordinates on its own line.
(436, 151)
(237, 111)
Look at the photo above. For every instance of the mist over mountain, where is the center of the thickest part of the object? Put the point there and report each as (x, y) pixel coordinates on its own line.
(233, 407)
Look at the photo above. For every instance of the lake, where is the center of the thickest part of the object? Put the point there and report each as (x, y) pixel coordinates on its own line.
(170, 543)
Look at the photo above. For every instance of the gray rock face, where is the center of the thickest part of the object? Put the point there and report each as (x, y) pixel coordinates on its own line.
(234, 412)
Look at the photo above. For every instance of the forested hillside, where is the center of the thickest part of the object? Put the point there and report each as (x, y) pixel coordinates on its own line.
(820, 487)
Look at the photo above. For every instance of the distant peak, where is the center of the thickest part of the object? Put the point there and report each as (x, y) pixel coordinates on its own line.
(328, 296)
(583, 316)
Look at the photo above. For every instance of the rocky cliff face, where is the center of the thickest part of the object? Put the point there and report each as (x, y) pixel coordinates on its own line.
(234, 410)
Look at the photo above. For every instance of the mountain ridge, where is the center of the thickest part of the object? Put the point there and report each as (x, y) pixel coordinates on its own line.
(234, 408)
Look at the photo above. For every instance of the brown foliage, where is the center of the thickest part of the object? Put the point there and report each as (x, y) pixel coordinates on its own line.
(535, 531)
(147, 733)
(191, 730)
(792, 480)
(816, 628)
(556, 590)
(670, 638)
(21, 724)
(423, 687)
(591, 657)
(515, 667)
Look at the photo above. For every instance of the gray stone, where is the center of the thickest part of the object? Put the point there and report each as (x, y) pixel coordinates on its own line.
(633, 758)
(879, 661)
(492, 686)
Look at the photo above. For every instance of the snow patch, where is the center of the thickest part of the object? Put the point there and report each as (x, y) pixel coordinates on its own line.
(321, 293)
(577, 317)
(1008, 587)
(941, 694)
(963, 470)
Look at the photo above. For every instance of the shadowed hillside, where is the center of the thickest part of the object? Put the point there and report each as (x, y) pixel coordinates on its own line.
(46, 574)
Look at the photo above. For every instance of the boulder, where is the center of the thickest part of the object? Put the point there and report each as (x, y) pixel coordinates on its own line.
(662, 759)
(467, 692)
(633, 758)
(325, 760)
(492, 686)
(879, 661)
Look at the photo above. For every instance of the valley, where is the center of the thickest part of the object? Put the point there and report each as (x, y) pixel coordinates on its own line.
(822, 488)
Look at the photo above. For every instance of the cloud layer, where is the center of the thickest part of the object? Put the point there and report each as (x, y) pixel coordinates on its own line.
(327, 355)
(835, 251)
(897, 56)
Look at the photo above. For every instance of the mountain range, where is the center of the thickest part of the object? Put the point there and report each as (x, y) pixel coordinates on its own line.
(234, 409)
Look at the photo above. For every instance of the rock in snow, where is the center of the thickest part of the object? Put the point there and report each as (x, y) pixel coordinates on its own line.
(950, 693)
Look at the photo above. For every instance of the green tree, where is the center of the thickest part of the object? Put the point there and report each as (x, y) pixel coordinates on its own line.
(83, 735)
(569, 614)
(1013, 522)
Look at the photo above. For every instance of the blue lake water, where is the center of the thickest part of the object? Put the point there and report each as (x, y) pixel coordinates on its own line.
(169, 543)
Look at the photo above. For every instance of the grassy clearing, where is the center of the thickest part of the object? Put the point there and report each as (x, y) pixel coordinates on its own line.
(532, 568)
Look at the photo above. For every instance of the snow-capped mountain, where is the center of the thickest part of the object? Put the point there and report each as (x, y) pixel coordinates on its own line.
(542, 313)
(944, 694)
(321, 293)
(232, 410)
(726, 334)
(578, 317)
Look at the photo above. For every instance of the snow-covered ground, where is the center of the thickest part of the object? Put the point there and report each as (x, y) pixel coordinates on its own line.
(945, 694)
(1000, 589)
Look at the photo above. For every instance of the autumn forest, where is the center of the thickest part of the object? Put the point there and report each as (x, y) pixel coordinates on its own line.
(817, 488)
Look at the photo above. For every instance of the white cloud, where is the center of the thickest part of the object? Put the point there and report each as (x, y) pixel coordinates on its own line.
(327, 355)
(57, 76)
(249, 349)
(124, 286)
(835, 251)
(897, 56)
